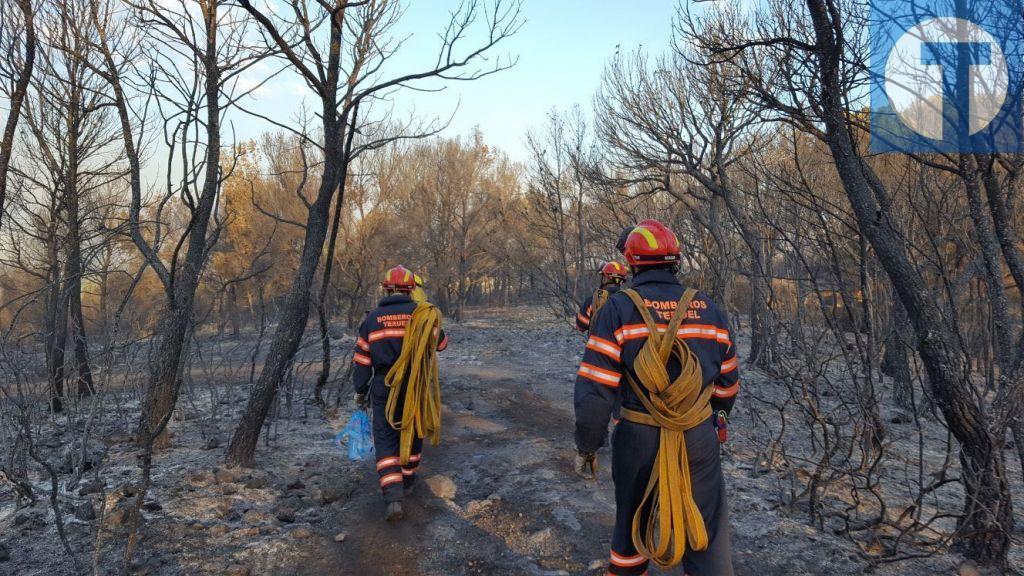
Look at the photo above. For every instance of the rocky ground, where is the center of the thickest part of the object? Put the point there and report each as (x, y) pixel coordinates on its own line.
(499, 496)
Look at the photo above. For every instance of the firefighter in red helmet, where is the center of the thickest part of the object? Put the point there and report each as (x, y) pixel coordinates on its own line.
(613, 274)
(665, 352)
(378, 347)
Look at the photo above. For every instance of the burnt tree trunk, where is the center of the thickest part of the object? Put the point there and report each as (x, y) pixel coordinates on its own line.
(55, 327)
(73, 276)
(761, 352)
(294, 315)
(77, 332)
(16, 99)
(175, 322)
(323, 314)
(165, 371)
(720, 275)
(896, 360)
(987, 519)
(233, 314)
(992, 269)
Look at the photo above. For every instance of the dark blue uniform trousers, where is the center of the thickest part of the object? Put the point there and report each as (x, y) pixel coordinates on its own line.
(634, 448)
(393, 476)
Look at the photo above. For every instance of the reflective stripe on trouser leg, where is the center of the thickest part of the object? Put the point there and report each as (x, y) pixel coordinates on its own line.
(635, 447)
(409, 472)
(385, 444)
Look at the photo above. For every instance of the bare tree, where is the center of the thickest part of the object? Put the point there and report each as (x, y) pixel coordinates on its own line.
(558, 201)
(191, 97)
(70, 162)
(804, 64)
(343, 66)
(676, 116)
(18, 44)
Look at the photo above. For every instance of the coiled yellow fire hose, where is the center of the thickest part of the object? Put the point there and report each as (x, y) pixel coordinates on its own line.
(413, 382)
(675, 407)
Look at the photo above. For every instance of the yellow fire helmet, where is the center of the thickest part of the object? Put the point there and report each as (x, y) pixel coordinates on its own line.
(417, 294)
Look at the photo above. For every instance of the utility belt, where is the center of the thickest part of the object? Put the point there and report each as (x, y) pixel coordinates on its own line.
(639, 418)
(642, 418)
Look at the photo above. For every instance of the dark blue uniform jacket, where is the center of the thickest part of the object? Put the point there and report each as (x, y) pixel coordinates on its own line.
(616, 337)
(380, 341)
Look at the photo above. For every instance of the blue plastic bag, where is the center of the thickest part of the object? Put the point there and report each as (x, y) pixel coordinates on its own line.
(358, 435)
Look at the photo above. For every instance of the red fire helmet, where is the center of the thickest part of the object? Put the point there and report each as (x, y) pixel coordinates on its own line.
(614, 271)
(650, 242)
(399, 279)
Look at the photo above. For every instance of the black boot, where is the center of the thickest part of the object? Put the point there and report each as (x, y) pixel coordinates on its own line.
(393, 512)
(410, 486)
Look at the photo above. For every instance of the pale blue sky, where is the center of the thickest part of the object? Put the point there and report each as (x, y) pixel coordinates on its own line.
(562, 49)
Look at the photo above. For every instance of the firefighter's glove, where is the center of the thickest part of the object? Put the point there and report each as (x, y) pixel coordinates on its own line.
(586, 465)
(361, 402)
(721, 421)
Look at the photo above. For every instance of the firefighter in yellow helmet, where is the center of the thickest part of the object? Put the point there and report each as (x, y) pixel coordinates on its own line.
(381, 348)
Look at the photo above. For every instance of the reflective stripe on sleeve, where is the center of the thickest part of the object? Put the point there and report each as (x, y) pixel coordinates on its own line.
(599, 375)
(730, 365)
(605, 347)
(720, 392)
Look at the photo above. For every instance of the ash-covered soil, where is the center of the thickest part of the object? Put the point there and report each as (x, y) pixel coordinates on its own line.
(498, 496)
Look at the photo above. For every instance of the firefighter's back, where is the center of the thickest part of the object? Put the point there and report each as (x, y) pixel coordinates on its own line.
(665, 351)
(384, 330)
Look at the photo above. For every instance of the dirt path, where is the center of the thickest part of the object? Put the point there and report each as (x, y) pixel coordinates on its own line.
(516, 507)
(499, 496)
(519, 509)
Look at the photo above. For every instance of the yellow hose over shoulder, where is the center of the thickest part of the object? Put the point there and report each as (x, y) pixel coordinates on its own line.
(413, 382)
(418, 295)
(674, 406)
